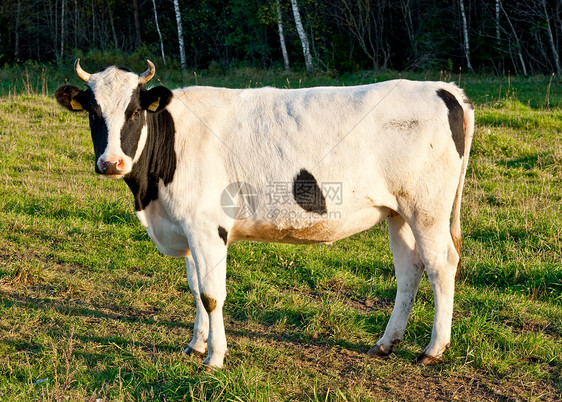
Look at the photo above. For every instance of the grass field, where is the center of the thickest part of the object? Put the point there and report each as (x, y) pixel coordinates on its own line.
(89, 308)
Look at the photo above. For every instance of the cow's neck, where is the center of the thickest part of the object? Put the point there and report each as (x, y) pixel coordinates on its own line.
(157, 161)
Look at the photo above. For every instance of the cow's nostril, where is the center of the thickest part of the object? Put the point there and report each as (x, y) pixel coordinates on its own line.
(112, 167)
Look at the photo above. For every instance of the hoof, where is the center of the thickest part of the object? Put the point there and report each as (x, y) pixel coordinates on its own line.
(212, 364)
(380, 352)
(427, 360)
(192, 352)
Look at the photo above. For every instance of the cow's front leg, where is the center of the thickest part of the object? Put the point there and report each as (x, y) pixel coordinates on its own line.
(209, 253)
(198, 344)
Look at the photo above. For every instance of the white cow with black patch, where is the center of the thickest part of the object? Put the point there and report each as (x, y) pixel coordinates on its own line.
(396, 150)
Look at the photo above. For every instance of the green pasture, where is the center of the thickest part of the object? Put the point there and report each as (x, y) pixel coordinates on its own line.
(90, 309)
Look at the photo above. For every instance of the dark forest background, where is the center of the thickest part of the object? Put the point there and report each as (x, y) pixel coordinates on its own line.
(490, 36)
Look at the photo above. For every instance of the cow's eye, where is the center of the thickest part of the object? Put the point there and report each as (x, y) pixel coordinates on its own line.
(136, 113)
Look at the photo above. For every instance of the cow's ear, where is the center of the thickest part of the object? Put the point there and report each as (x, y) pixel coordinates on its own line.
(155, 99)
(71, 97)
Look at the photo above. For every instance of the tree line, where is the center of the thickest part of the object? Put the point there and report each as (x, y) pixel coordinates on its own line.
(498, 36)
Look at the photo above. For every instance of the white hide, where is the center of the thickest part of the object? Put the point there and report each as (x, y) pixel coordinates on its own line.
(378, 141)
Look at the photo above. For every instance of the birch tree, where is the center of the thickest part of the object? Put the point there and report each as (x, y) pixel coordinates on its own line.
(113, 33)
(555, 54)
(498, 5)
(62, 29)
(282, 35)
(406, 9)
(465, 36)
(159, 32)
(365, 21)
(517, 42)
(302, 37)
(183, 62)
(17, 33)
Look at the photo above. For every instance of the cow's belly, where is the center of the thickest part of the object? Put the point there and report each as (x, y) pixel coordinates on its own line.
(168, 236)
(323, 230)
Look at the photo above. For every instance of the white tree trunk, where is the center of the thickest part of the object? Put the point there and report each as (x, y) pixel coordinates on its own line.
(62, 29)
(54, 19)
(282, 35)
(517, 43)
(183, 62)
(498, 20)
(465, 35)
(302, 36)
(555, 54)
(17, 33)
(159, 33)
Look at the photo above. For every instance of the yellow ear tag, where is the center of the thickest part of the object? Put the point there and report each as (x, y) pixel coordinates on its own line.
(154, 105)
(76, 105)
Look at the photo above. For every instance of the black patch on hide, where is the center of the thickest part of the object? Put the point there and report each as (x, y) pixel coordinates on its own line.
(209, 303)
(456, 116)
(98, 129)
(223, 234)
(132, 128)
(157, 161)
(307, 193)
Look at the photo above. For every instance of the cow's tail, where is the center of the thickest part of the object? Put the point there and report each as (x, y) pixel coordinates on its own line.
(468, 125)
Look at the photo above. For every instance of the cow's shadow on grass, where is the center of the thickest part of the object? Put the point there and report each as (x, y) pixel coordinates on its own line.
(92, 314)
(111, 357)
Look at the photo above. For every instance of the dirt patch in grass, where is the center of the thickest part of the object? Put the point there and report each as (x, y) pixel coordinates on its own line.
(368, 305)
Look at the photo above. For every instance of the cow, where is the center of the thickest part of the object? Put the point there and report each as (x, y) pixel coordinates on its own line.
(209, 167)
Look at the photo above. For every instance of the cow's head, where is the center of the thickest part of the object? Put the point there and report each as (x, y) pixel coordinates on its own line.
(118, 105)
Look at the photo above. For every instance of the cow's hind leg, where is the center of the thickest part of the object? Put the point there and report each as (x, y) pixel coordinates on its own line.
(198, 344)
(440, 258)
(409, 270)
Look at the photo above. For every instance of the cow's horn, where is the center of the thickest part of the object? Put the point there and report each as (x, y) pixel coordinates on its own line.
(84, 76)
(148, 74)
